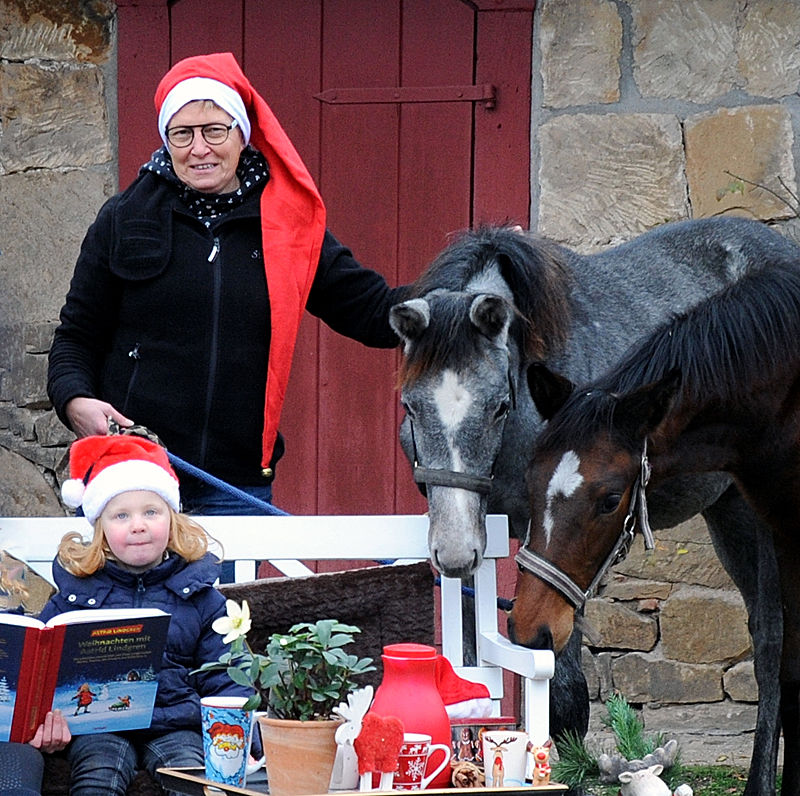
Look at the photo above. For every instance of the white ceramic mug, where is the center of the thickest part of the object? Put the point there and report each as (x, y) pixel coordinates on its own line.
(505, 756)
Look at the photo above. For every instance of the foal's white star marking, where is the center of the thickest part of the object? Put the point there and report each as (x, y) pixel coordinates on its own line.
(565, 480)
(452, 399)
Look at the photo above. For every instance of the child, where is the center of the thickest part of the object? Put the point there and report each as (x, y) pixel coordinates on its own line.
(143, 554)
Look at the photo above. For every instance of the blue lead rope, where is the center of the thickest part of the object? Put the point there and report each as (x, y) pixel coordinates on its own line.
(212, 480)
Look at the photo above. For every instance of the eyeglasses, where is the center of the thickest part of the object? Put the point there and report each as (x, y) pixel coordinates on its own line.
(212, 133)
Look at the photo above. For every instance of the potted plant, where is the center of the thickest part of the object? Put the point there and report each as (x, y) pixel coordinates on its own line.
(301, 677)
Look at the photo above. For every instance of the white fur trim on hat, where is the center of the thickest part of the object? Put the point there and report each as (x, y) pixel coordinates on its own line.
(203, 88)
(128, 476)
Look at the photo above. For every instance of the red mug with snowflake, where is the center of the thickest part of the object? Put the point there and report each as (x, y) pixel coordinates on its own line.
(414, 762)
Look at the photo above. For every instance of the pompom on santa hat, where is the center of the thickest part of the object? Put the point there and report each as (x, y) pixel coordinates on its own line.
(103, 467)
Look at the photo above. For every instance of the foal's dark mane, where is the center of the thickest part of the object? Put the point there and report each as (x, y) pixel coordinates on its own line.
(744, 336)
(537, 273)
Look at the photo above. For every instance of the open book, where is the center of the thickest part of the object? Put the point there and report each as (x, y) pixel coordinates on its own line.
(99, 667)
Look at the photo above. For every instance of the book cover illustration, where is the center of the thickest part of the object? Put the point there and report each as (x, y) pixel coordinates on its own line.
(101, 671)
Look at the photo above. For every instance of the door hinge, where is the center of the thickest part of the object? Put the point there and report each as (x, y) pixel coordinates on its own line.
(484, 94)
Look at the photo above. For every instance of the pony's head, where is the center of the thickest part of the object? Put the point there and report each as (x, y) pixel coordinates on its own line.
(456, 392)
(585, 482)
(479, 312)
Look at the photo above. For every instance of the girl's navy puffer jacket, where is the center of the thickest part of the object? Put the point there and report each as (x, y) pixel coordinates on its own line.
(186, 592)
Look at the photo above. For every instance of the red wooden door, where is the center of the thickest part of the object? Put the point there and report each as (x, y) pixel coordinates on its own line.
(398, 176)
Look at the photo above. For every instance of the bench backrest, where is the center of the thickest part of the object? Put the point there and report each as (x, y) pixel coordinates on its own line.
(286, 541)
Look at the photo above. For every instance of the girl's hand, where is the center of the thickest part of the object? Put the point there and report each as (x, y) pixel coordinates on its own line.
(53, 733)
(89, 416)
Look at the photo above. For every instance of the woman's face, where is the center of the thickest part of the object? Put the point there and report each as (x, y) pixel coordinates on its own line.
(208, 168)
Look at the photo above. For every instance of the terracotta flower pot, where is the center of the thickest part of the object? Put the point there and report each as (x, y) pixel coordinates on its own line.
(299, 754)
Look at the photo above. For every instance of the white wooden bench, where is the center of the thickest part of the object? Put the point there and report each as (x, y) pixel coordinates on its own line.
(286, 541)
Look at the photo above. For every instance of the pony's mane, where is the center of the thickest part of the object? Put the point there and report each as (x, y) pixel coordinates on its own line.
(537, 274)
(743, 335)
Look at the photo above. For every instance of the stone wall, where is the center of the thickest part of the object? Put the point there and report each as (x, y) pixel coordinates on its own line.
(648, 111)
(57, 166)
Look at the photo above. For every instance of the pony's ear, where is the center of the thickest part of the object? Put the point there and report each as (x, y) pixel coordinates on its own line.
(410, 319)
(641, 412)
(492, 316)
(549, 390)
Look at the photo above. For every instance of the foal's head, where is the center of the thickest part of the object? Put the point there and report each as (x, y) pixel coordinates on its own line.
(581, 486)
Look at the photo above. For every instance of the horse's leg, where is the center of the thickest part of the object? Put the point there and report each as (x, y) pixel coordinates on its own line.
(745, 547)
(788, 553)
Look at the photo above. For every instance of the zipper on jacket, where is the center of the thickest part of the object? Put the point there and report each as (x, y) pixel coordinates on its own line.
(216, 265)
(139, 597)
(135, 356)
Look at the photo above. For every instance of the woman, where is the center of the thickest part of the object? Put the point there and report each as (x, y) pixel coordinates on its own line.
(184, 307)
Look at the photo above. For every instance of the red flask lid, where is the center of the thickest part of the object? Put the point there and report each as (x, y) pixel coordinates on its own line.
(408, 650)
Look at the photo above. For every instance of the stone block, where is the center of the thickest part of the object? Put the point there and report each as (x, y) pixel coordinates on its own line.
(708, 734)
(52, 118)
(740, 683)
(704, 626)
(753, 142)
(622, 587)
(45, 217)
(606, 178)
(24, 492)
(39, 337)
(648, 677)
(51, 432)
(768, 51)
(684, 50)
(605, 663)
(22, 425)
(619, 627)
(29, 383)
(68, 30)
(589, 665)
(580, 42)
(683, 554)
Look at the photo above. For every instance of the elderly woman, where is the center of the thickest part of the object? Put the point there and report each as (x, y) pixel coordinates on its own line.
(185, 303)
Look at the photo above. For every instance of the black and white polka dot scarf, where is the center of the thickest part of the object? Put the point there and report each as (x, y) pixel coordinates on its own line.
(252, 171)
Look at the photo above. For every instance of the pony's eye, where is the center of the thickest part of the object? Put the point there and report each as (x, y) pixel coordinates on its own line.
(610, 503)
(502, 410)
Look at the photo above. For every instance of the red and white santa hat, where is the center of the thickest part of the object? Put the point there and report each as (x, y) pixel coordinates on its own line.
(103, 467)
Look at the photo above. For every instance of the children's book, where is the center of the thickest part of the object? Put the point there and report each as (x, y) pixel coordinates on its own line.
(99, 667)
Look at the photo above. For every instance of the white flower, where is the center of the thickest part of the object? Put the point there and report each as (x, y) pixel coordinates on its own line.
(236, 624)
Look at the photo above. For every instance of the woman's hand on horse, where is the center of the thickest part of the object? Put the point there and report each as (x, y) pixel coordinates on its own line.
(53, 733)
(89, 416)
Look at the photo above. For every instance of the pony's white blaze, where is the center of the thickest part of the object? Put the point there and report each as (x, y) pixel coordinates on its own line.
(452, 400)
(565, 480)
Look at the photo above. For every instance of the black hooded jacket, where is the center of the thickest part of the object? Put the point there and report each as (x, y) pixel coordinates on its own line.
(168, 320)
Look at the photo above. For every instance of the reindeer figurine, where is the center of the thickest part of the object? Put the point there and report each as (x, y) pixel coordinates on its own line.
(541, 763)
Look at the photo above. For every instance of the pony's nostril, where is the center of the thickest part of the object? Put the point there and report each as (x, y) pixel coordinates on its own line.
(543, 640)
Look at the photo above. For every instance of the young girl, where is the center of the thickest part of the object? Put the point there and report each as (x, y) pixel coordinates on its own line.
(143, 554)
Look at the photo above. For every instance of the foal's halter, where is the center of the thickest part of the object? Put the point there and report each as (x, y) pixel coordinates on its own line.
(534, 564)
(434, 476)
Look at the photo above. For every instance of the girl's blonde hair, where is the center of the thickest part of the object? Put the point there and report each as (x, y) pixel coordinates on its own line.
(186, 538)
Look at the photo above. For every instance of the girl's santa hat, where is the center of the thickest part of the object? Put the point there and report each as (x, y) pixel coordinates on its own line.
(103, 467)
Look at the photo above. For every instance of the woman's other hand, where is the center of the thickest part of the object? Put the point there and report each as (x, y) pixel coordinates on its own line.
(53, 733)
(89, 416)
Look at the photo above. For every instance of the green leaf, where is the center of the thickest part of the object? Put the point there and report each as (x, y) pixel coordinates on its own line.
(239, 677)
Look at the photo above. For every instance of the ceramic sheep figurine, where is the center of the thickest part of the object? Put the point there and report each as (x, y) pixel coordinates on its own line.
(645, 782)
